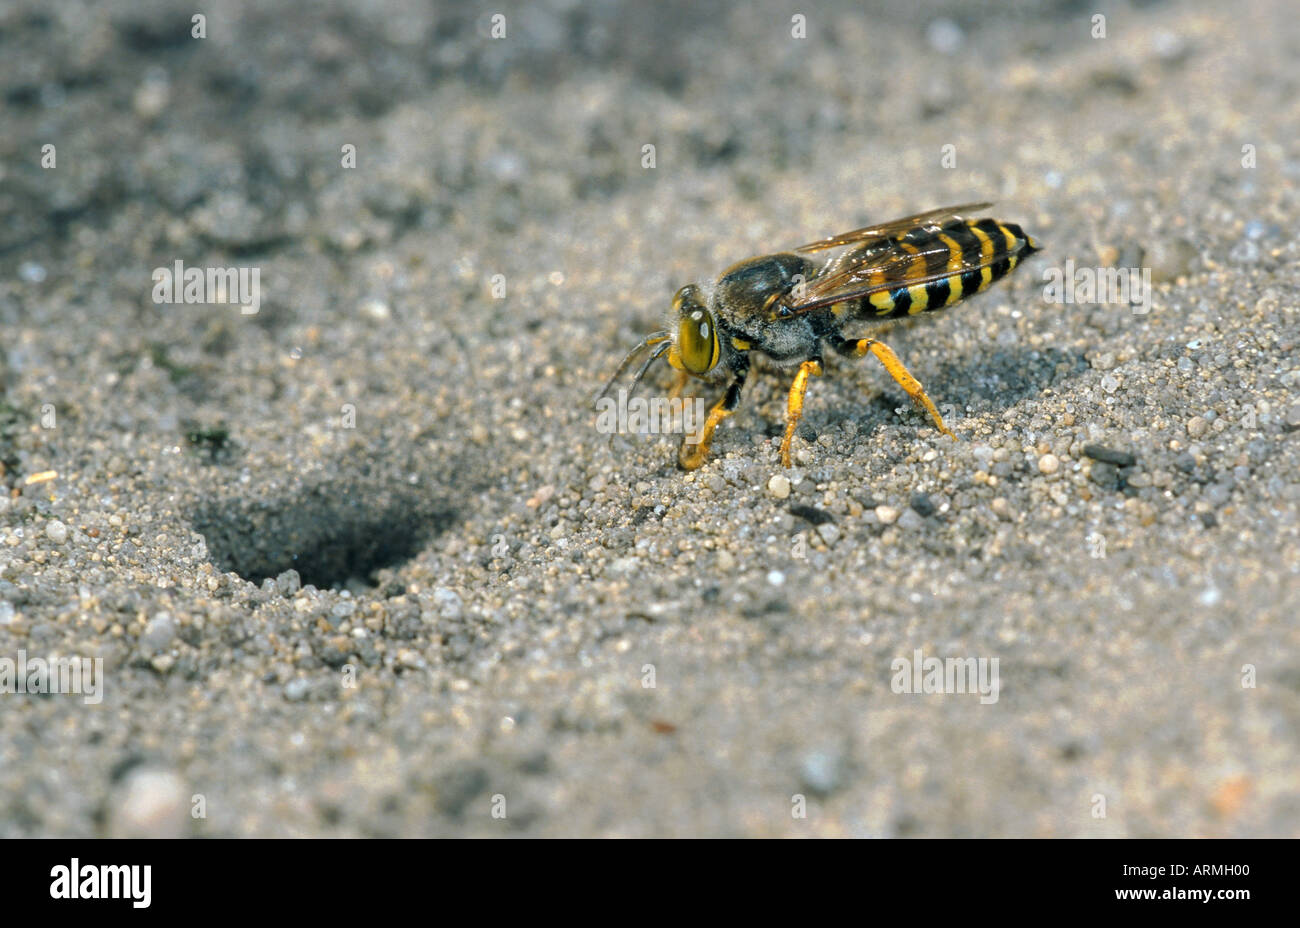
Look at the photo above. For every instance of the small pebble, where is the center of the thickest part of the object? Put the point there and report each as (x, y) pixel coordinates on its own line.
(288, 583)
(1105, 474)
(1110, 455)
(887, 515)
(159, 633)
(448, 602)
(1139, 480)
(944, 35)
(1169, 46)
(820, 772)
(341, 611)
(1049, 464)
(1169, 259)
(151, 97)
(151, 804)
(375, 309)
(56, 531)
(779, 486)
(1244, 252)
(909, 520)
(1197, 427)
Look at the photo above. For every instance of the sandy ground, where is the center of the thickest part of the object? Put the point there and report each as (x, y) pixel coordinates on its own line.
(362, 564)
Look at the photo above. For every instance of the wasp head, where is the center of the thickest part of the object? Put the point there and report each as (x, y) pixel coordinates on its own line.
(697, 332)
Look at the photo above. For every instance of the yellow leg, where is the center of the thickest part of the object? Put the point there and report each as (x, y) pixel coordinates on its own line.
(885, 355)
(794, 406)
(690, 457)
(679, 384)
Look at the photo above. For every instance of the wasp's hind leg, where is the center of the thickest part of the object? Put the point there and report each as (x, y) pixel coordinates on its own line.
(794, 406)
(692, 454)
(885, 355)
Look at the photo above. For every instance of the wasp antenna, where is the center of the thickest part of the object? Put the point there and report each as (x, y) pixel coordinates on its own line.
(652, 339)
(654, 356)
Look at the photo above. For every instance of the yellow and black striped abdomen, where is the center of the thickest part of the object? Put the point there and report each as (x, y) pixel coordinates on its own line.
(978, 252)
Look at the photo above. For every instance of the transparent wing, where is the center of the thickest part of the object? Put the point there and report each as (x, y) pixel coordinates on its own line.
(883, 264)
(928, 220)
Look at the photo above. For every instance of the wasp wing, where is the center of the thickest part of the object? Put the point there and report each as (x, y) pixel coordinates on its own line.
(884, 264)
(932, 219)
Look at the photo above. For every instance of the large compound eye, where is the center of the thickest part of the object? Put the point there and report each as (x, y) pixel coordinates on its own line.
(697, 340)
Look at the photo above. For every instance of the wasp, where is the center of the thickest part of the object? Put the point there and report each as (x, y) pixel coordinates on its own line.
(789, 306)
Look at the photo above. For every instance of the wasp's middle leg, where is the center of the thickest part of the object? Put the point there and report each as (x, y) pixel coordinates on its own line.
(885, 355)
(794, 405)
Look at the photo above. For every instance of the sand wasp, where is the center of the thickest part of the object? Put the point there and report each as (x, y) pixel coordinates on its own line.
(788, 305)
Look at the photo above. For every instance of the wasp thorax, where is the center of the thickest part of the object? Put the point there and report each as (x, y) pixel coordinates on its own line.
(697, 333)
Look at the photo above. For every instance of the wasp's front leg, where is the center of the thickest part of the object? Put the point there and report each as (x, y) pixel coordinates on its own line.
(691, 456)
(679, 384)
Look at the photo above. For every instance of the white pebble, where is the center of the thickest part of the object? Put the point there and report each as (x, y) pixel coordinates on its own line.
(376, 309)
(779, 486)
(944, 36)
(448, 602)
(56, 531)
(152, 804)
(158, 634)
